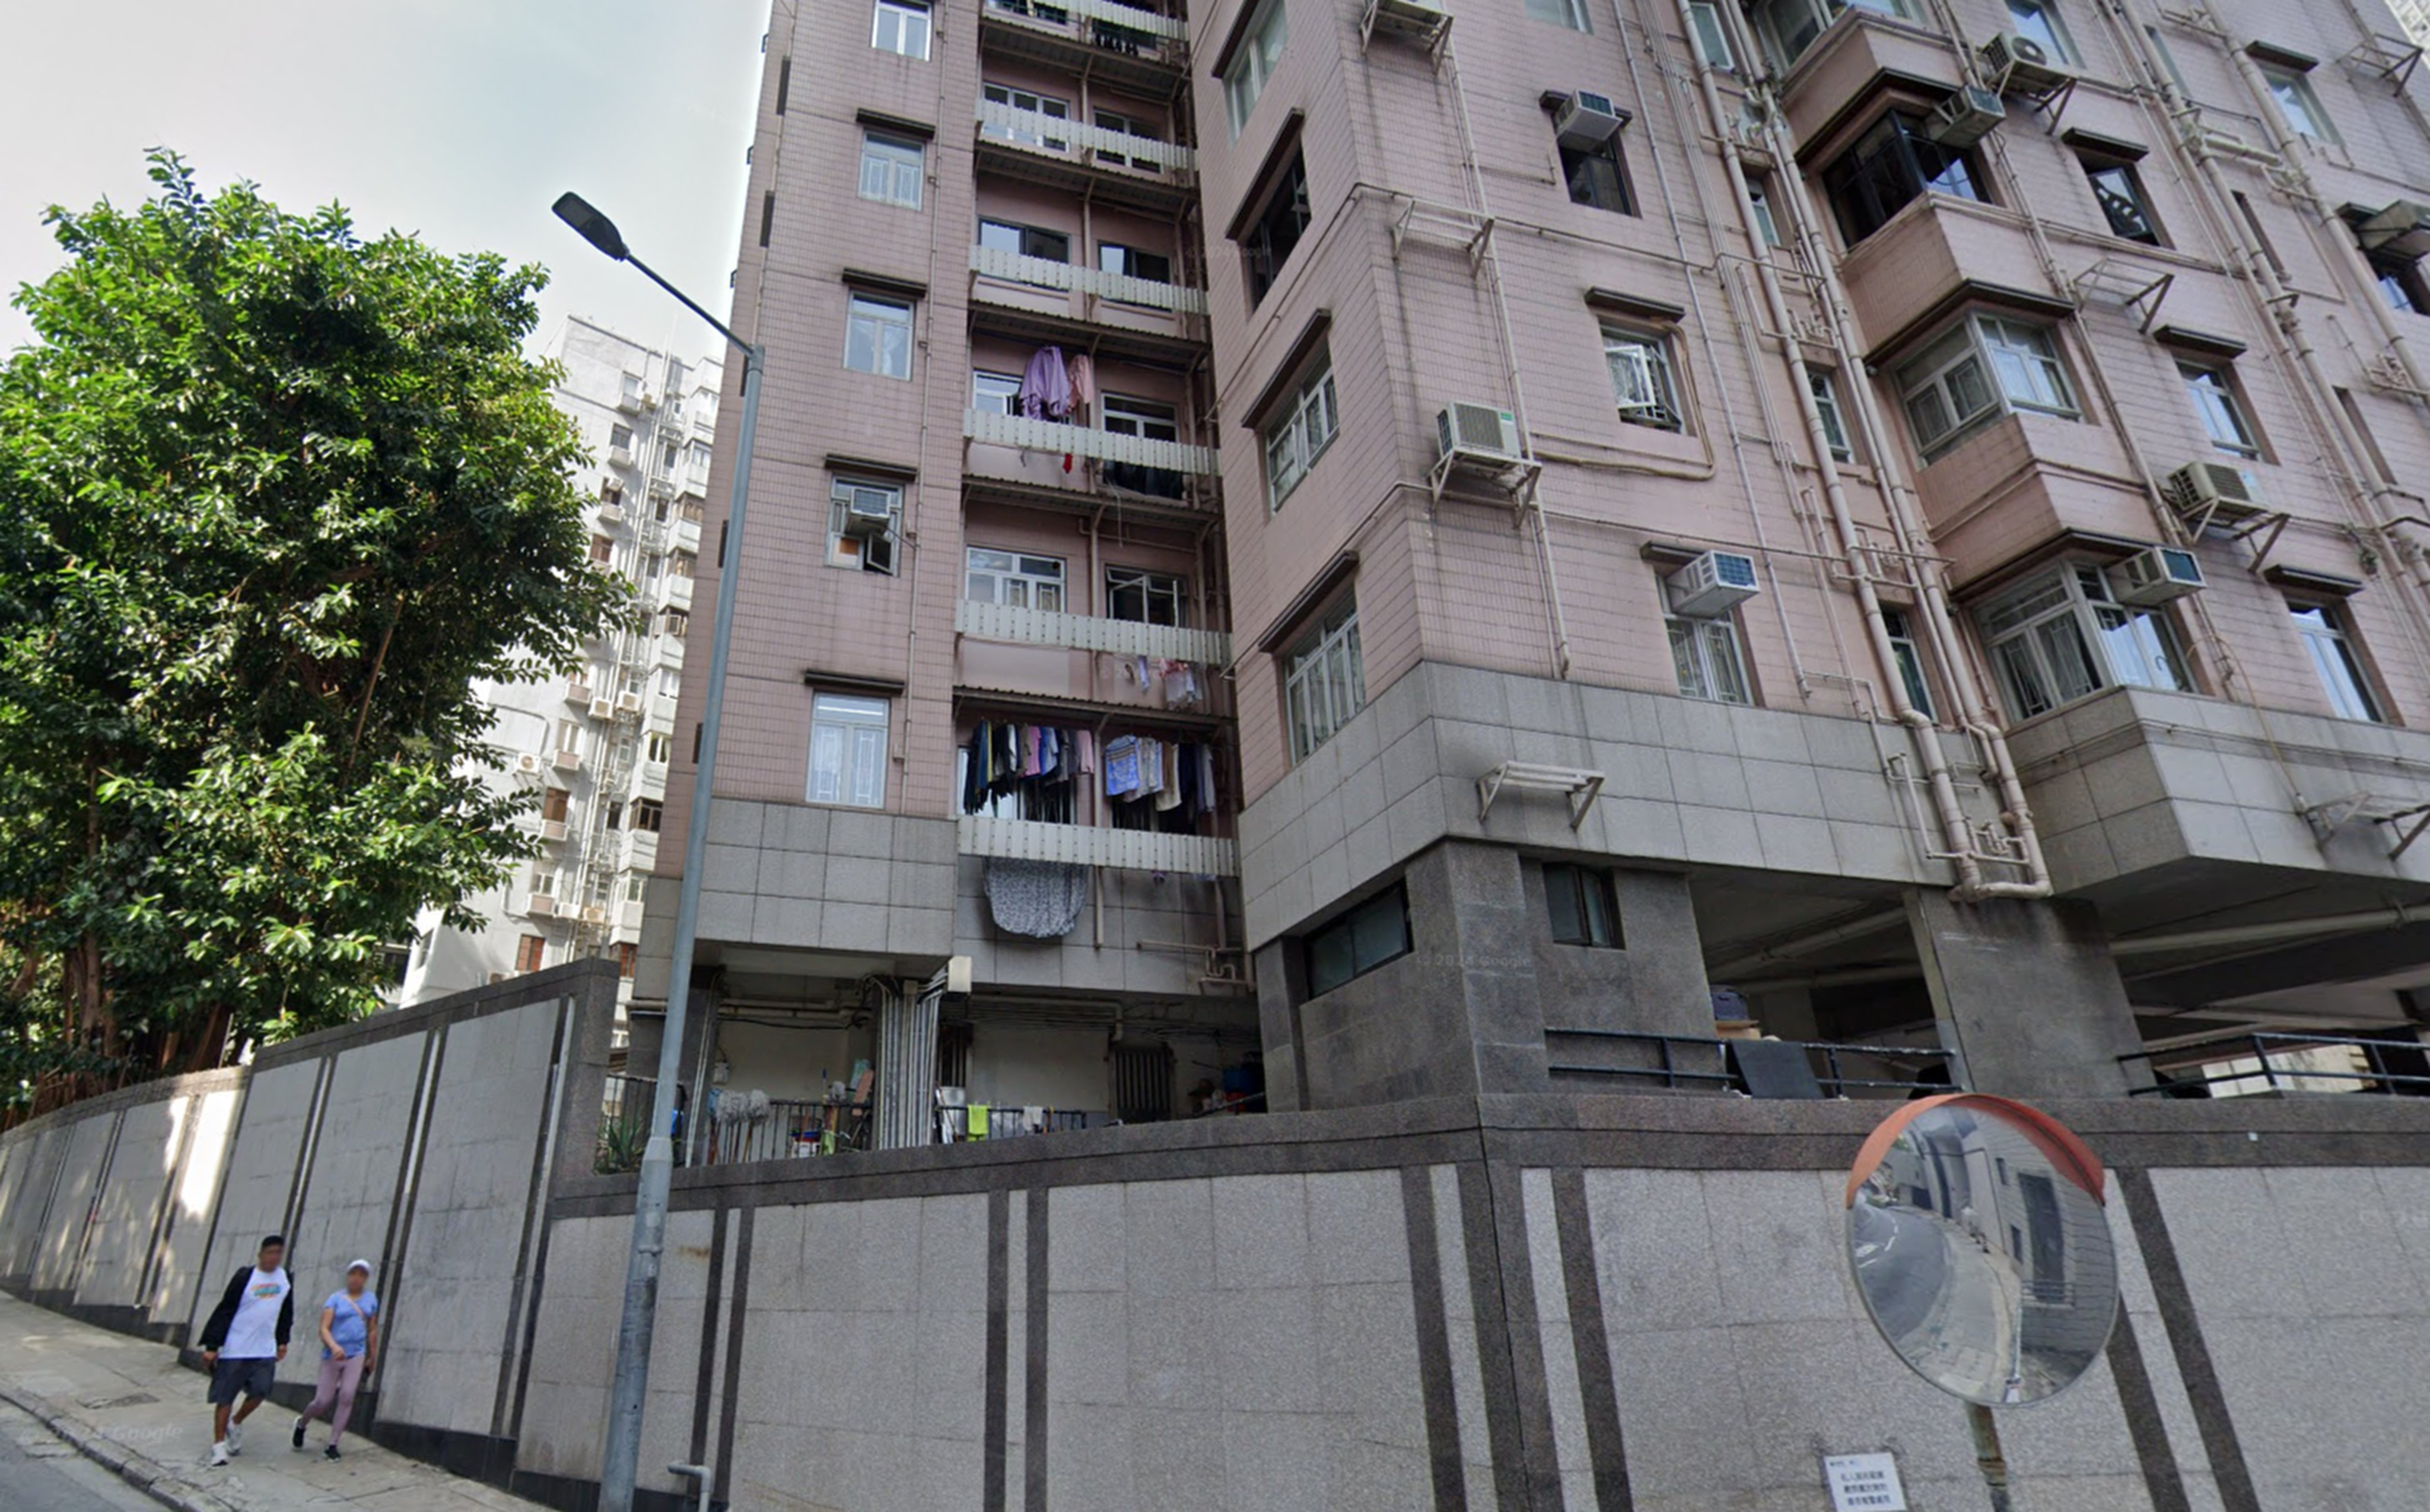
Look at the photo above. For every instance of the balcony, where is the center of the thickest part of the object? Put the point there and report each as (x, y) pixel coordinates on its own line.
(674, 592)
(1043, 302)
(996, 428)
(686, 535)
(1129, 850)
(1121, 46)
(1930, 255)
(1110, 167)
(1016, 460)
(620, 456)
(1009, 626)
(1846, 68)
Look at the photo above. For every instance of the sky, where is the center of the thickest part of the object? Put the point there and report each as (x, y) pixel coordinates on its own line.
(460, 121)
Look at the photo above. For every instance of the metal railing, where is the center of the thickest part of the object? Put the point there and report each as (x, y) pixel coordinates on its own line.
(1701, 1060)
(624, 1107)
(780, 1128)
(2238, 1060)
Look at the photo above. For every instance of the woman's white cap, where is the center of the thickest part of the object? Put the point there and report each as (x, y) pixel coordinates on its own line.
(364, 1265)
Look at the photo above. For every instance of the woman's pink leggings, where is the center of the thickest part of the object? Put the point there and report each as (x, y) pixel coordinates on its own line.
(335, 1399)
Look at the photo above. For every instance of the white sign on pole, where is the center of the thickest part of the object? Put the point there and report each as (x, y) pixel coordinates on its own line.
(1864, 1482)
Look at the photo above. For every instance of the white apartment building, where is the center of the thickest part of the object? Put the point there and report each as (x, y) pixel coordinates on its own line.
(595, 744)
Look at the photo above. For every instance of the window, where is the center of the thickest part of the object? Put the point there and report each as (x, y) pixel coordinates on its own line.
(529, 948)
(2038, 21)
(1129, 125)
(1252, 62)
(2062, 637)
(615, 815)
(1144, 597)
(1705, 652)
(902, 26)
(2402, 285)
(619, 437)
(1596, 176)
(1986, 364)
(2213, 391)
(1144, 418)
(1024, 240)
(1789, 28)
(1827, 404)
(602, 550)
(648, 815)
(1369, 935)
(1012, 578)
(863, 521)
(995, 394)
(2119, 189)
(2298, 103)
(1891, 165)
(2323, 629)
(848, 751)
(2169, 60)
(1712, 36)
(1324, 682)
(675, 623)
(877, 337)
(1580, 901)
(1910, 659)
(627, 954)
(1034, 104)
(1641, 380)
(1298, 434)
(657, 748)
(553, 807)
(1759, 198)
(611, 494)
(1130, 262)
(1569, 13)
(569, 736)
(1266, 243)
(892, 169)
(683, 564)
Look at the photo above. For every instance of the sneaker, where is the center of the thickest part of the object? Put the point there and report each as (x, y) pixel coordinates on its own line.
(219, 1453)
(297, 1437)
(331, 1453)
(236, 1439)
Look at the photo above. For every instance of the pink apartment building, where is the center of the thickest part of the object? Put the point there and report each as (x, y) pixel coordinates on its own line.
(1455, 552)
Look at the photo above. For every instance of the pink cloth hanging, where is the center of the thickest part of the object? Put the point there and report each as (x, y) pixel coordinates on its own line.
(1082, 370)
(1088, 753)
(1046, 385)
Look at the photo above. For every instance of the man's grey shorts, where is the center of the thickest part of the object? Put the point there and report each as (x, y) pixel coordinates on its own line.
(231, 1379)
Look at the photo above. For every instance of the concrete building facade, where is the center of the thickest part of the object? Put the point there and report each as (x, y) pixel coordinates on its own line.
(596, 744)
(1896, 523)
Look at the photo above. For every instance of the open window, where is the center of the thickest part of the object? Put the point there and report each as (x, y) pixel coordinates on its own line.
(864, 519)
(2063, 636)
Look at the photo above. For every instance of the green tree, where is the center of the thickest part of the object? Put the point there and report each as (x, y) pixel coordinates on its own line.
(272, 497)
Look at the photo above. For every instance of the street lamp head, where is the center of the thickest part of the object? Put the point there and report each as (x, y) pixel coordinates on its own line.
(595, 229)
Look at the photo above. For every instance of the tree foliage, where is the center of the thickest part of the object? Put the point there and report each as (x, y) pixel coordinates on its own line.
(272, 496)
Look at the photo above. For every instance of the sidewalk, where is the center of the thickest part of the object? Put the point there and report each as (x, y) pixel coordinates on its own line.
(125, 1405)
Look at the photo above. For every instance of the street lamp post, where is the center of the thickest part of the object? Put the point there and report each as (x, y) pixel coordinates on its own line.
(628, 1394)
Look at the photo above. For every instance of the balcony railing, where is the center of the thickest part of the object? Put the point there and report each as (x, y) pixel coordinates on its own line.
(1122, 288)
(2243, 1064)
(1014, 625)
(1104, 25)
(1129, 850)
(1078, 141)
(1080, 441)
(1694, 1062)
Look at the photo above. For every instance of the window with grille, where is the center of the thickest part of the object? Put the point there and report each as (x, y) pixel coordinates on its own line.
(848, 751)
(892, 169)
(1325, 682)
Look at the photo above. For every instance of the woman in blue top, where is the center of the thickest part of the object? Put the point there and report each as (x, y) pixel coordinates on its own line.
(349, 1339)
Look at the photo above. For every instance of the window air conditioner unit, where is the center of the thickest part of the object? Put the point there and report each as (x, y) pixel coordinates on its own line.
(1587, 119)
(1477, 433)
(2020, 65)
(602, 708)
(2215, 493)
(1712, 585)
(628, 703)
(632, 399)
(528, 762)
(541, 906)
(2402, 230)
(612, 514)
(552, 830)
(1966, 117)
(594, 914)
(2156, 576)
(871, 512)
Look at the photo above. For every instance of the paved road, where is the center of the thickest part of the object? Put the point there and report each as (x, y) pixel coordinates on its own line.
(42, 1474)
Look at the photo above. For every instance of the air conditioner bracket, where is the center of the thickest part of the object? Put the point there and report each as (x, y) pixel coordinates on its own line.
(1580, 785)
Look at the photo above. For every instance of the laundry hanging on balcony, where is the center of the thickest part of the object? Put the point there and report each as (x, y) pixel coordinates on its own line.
(1046, 385)
(1036, 766)
(1039, 898)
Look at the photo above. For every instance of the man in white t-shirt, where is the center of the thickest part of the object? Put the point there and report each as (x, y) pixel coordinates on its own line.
(244, 1340)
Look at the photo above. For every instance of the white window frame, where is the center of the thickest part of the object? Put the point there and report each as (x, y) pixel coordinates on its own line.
(1760, 200)
(657, 748)
(1766, 16)
(1706, 654)
(1644, 378)
(1020, 579)
(868, 318)
(1984, 365)
(1711, 35)
(1910, 654)
(902, 27)
(1149, 419)
(995, 394)
(1015, 98)
(848, 751)
(2063, 637)
(1154, 588)
(1324, 680)
(2039, 21)
(1824, 386)
(855, 551)
(1130, 125)
(2211, 388)
(1569, 13)
(1252, 68)
(1299, 433)
(893, 168)
(2328, 632)
(2299, 104)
